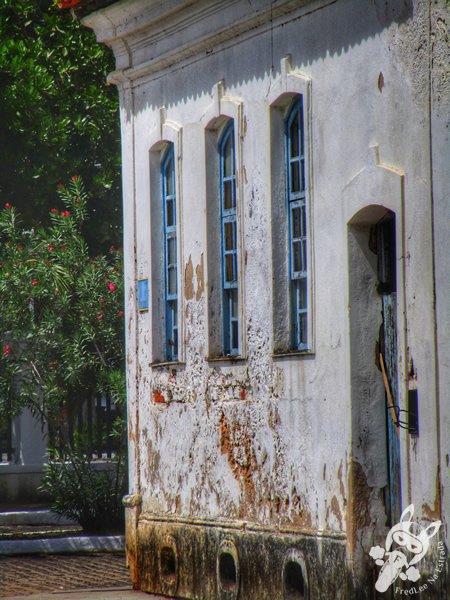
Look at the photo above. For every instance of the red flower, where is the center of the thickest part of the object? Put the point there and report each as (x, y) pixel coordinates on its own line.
(111, 287)
(19, 248)
(34, 282)
(68, 3)
(7, 350)
(52, 363)
(65, 213)
(120, 313)
(54, 210)
(74, 177)
(99, 315)
(51, 247)
(7, 205)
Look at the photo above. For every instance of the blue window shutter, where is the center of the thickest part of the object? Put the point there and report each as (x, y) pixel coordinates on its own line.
(170, 253)
(297, 226)
(229, 243)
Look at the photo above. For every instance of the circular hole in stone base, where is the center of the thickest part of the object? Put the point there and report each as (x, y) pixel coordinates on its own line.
(227, 572)
(294, 576)
(168, 564)
(294, 584)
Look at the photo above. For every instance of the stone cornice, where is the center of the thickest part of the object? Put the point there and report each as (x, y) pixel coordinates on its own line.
(147, 36)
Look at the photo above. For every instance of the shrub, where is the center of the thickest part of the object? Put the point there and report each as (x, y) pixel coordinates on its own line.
(91, 497)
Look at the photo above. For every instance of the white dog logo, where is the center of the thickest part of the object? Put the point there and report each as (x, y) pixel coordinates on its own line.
(410, 548)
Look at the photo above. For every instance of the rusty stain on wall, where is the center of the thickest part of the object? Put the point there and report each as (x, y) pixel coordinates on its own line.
(158, 397)
(199, 272)
(238, 446)
(358, 513)
(189, 280)
(336, 511)
(341, 484)
(434, 513)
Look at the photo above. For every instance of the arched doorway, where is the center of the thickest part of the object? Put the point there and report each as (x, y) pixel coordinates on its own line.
(384, 238)
(375, 490)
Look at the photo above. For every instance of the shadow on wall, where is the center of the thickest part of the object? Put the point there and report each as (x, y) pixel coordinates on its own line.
(342, 25)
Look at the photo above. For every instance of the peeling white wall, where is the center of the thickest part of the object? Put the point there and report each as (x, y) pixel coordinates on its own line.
(269, 439)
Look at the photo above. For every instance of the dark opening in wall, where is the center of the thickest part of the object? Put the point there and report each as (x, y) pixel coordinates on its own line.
(168, 564)
(227, 572)
(293, 582)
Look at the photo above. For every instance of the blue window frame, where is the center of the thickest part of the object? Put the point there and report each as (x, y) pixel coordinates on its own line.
(297, 223)
(229, 241)
(170, 253)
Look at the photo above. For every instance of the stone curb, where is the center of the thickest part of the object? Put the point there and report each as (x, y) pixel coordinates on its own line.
(100, 543)
(33, 517)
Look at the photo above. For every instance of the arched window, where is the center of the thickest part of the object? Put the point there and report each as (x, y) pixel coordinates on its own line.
(170, 252)
(229, 242)
(297, 224)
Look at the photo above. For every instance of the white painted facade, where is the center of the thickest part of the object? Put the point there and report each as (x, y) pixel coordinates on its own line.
(21, 476)
(278, 443)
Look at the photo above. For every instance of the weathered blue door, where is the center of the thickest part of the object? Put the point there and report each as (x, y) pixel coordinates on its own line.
(387, 287)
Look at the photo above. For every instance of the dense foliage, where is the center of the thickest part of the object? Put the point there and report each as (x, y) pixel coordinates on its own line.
(57, 115)
(61, 344)
(61, 317)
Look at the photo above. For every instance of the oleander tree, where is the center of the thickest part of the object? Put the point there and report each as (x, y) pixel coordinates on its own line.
(58, 116)
(61, 343)
(61, 315)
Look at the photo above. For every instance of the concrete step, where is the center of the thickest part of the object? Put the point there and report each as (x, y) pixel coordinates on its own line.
(70, 544)
(12, 532)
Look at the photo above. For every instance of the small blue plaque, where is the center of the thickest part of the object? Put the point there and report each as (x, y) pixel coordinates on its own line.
(142, 294)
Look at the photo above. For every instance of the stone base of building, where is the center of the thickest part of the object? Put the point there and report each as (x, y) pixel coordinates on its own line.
(205, 561)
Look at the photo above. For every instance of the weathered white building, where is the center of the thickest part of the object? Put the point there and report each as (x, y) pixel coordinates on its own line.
(286, 177)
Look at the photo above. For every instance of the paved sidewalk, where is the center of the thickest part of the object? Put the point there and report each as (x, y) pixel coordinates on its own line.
(58, 575)
(125, 594)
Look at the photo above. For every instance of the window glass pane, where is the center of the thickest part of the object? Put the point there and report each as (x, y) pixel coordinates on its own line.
(296, 257)
(228, 157)
(296, 222)
(303, 326)
(302, 294)
(230, 235)
(303, 220)
(295, 177)
(228, 195)
(294, 135)
(234, 335)
(234, 303)
(175, 342)
(174, 313)
(230, 268)
(172, 280)
(170, 213)
(170, 178)
(172, 251)
(304, 257)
